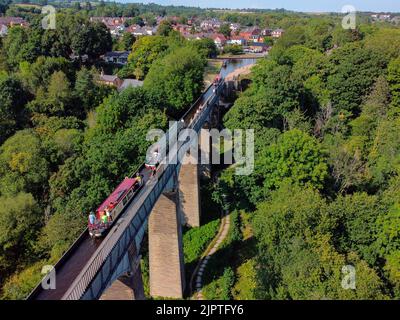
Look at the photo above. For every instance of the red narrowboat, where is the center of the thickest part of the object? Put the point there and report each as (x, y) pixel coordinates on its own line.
(108, 212)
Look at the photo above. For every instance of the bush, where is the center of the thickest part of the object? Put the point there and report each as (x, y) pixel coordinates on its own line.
(235, 235)
(233, 49)
(195, 240)
(227, 281)
(21, 284)
(246, 281)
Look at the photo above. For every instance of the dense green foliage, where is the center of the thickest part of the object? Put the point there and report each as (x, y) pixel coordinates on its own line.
(324, 192)
(66, 140)
(74, 34)
(325, 106)
(177, 78)
(144, 52)
(196, 240)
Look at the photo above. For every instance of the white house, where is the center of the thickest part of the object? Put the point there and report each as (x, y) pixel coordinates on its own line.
(237, 40)
(277, 33)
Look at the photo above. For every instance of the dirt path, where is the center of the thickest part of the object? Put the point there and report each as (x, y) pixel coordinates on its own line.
(197, 277)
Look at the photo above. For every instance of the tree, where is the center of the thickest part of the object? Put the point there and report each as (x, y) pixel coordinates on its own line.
(58, 91)
(4, 6)
(388, 244)
(233, 49)
(295, 35)
(87, 90)
(289, 213)
(206, 47)
(144, 52)
(296, 258)
(128, 39)
(14, 45)
(313, 270)
(18, 227)
(273, 94)
(37, 75)
(225, 30)
(137, 20)
(164, 28)
(19, 285)
(297, 158)
(394, 83)
(54, 44)
(318, 34)
(386, 41)
(355, 227)
(353, 71)
(177, 78)
(269, 41)
(384, 156)
(93, 39)
(22, 166)
(12, 101)
(57, 100)
(123, 121)
(341, 37)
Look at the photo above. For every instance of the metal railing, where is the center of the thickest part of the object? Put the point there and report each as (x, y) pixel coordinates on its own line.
(97, 273)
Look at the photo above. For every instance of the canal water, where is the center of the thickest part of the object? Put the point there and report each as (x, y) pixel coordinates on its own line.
(233, 64)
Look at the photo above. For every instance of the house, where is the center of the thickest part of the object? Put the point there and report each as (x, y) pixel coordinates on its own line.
(236, 40)
(196, 36)
(144, 31)
(182, 28)
(266, 32)
(396, 20)
(13, 21)
(159, 19)
(117, 57)
(385, 17)
(111, 21)
(132, 28)
(235, 27)
(109, 80)
(139, 31)
(173, 18)
(277, 33)
(211, 24)
(116, 30)
(219, 39)
(256, 38)
(248, 33)
(257, 47)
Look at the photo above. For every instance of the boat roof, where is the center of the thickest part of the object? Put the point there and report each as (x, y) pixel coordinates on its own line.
(118, 193)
